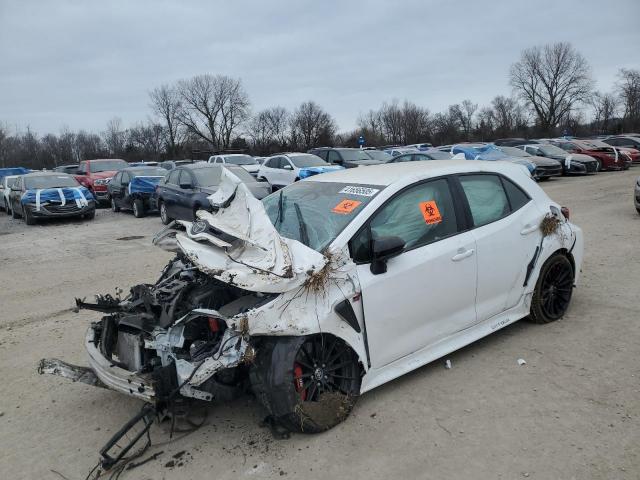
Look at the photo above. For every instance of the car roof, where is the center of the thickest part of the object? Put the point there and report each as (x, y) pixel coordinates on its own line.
(389, 173)
(46, 174)
(104, 160)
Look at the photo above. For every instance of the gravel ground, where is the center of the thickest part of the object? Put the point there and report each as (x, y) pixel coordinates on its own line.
(572, 412)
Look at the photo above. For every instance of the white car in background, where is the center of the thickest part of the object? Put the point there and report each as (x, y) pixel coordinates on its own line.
(5, 189)
(247, 162)
(286, 168)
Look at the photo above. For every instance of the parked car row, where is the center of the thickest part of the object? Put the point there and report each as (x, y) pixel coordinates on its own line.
(178, 188)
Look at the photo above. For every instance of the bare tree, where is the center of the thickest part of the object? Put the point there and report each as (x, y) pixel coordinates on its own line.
(508, 116)
(465, 113)
(628, 87)
(166, 104)
(115, 137)
(311, 126)
(213, 107)
(268, 129)
(146, 142)
(605, 106)
(551, 80)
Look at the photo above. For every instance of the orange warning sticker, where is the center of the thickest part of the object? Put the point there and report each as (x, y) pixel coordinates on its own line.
(346, 206)
(430, 212)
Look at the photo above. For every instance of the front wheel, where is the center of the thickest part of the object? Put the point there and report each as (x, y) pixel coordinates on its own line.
(138, 208)
(598, 165)
(29, 219)
(308, 384)
(553, 291)
(90, 216)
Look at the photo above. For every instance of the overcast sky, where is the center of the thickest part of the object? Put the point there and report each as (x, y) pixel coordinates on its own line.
(80, 63)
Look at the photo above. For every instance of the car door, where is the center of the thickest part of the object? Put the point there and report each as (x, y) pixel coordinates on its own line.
(274, 172)
(115, 188)
(506, 227)
(184, 193)
(428, 291)
(169, 192)
(289, 171)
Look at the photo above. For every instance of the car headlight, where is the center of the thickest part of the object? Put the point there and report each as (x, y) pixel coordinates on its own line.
(102, 181)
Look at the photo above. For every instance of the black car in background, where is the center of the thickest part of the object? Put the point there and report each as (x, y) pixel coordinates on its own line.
(49, 195)
(346, 157)
(134, 188)
(185, 189)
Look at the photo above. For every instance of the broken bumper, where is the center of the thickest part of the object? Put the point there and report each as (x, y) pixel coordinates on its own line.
(116, 378)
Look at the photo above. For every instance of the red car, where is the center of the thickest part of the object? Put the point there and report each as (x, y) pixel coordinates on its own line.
(632, 152)
(605, 156)
(95, 175)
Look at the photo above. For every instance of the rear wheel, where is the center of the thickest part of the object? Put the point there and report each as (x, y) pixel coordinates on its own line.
(164, 216)
(138, 208)
(553, 291)
(308, 384)
(114, 207)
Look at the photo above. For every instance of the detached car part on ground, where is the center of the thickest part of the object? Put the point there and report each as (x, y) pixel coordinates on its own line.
(334, 286)
(49, 195)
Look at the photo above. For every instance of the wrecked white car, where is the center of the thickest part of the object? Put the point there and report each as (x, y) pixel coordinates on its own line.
(334, 286)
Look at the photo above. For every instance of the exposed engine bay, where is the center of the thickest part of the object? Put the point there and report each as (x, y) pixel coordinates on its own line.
(176, 332)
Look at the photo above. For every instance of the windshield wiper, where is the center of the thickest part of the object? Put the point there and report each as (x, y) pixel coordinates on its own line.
(279, 217)
(304, 236)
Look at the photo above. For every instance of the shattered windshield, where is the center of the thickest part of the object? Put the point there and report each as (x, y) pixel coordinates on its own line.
(314, 213)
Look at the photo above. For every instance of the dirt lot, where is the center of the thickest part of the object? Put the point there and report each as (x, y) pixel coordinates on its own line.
(572, 412)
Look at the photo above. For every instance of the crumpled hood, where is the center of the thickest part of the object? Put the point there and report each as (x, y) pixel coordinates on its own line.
(239, 245)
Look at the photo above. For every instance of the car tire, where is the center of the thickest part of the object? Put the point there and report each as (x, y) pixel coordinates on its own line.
(301, 393)
(164, 216)
(552, 295)
(14, 214)
(114, 208)
(138, 208)
(90, 216)
(598, 165)
(28, 217)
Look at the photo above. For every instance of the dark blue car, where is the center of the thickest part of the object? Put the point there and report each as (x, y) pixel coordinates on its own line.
(134, 188)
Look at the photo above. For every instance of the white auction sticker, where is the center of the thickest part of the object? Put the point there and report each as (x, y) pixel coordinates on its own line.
(362, 191)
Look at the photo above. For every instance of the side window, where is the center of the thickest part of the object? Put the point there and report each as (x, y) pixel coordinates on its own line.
(126, 178)
(517, 198)
(418, 157)
(173, 177)
(321, 153)
(82, 168)
(277, 162)
(422, 214)
(185, 178)
(402, 158)
(486, 196)
(116, 178)
(333, 157)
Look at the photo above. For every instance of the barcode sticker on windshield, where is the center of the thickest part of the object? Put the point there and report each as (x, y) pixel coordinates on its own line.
(362, 191)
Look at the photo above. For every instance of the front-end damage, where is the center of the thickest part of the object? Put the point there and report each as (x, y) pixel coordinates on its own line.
(197, 329)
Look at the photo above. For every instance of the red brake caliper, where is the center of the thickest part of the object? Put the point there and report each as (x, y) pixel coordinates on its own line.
(298, 381)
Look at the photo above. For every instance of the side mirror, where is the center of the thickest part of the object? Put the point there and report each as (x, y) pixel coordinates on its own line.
(288, 167)
(186, 186)
(384, 248)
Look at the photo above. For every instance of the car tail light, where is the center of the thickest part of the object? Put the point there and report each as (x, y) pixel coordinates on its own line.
(565, 212)
(214, 324)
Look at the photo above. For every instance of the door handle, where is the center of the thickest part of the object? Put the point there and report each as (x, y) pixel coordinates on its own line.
(528, 229)
(462, 255)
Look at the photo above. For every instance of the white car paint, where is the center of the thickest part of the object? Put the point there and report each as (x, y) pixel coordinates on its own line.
(229, 158)
(287, 172)
(5, 189)
(432, 299)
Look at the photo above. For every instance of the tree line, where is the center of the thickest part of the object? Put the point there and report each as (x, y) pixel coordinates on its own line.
(552, 87)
